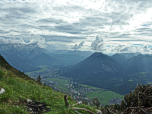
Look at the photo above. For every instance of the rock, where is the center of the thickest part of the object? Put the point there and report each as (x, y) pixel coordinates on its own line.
(28, 100)
(2, 91)
(79, 102)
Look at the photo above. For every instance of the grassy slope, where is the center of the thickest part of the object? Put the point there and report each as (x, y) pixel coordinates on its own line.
(17, 88)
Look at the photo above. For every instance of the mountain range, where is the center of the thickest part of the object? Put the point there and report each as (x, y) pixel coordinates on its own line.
(130, 55)
(25, 57)
(28, 57)
(119, 58)
(21, 94)
(99, 70)
(114, 73)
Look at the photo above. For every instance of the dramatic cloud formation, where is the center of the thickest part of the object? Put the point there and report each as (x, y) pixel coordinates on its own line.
(78, 46)
(109, 26)
(95, 44)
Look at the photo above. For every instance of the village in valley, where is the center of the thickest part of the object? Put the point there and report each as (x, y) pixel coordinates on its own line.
(77, 91)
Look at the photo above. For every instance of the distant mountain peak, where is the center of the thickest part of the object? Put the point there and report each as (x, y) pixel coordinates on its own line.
(96, 70)
(98, 55)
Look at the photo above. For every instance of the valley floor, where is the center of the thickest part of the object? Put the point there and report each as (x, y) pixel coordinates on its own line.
(78, 91)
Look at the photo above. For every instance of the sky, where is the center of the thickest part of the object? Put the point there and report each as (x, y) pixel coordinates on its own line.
(108, 26)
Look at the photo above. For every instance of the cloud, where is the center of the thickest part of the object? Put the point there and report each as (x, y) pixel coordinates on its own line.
(40, 41)
(95, 44)
(131, 49)
(146, 49)
(11, 41)
(51, 20)
(59, 22)
(61, 38)
(101, 47)
(69, 29)
(117, 48)
(126, 49)
(78, 46)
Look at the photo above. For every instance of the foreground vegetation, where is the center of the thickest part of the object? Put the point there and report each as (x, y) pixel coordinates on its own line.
(19, 88)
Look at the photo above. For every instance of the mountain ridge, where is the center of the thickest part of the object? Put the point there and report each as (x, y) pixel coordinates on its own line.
(28, 57)
(96, 70)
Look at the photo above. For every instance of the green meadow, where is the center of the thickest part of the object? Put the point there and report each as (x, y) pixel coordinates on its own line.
(103, 96)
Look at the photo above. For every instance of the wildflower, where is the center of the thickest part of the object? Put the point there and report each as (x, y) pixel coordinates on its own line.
(2, 91)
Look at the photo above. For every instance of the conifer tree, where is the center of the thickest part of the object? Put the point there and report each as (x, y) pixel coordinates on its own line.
(39, 80)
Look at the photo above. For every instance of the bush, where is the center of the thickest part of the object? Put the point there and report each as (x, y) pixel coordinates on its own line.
(131, 99)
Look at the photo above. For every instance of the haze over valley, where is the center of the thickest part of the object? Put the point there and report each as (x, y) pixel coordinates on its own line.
(85, 49)
(116, 73)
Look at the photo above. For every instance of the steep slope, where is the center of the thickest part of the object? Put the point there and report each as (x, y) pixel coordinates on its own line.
(119, 58)
(5, 65)
(19, 88)
(99, 70)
